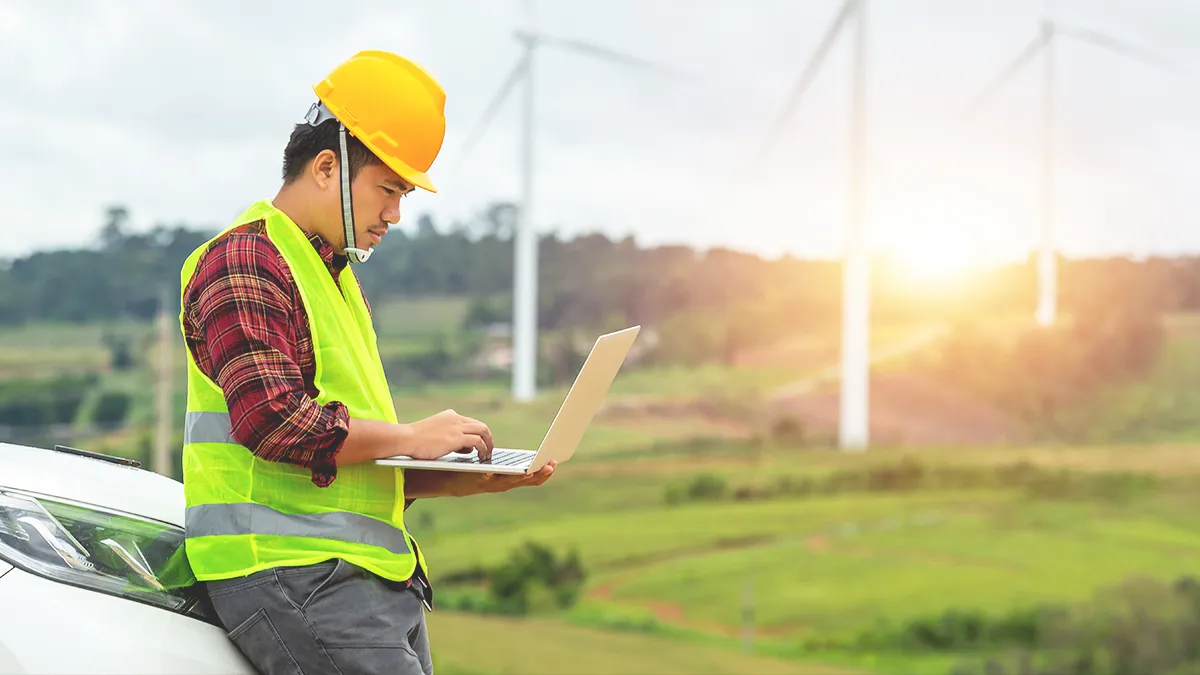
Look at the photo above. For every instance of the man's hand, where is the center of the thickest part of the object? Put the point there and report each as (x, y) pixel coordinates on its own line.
(448, 432)
(427, 483)
(465, 484)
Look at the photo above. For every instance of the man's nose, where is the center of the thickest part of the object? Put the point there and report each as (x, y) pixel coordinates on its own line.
(391, 215)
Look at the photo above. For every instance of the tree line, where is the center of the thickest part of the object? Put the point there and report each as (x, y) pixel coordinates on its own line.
(724, 297)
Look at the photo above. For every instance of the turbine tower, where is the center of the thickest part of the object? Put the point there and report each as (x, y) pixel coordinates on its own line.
(525, 241)
(1043, 42)
(854, 416)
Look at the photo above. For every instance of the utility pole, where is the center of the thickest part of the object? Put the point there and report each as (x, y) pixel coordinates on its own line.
(748, 616)
(161, 460)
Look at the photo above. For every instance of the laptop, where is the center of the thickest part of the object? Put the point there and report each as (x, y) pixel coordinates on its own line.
(566, 430)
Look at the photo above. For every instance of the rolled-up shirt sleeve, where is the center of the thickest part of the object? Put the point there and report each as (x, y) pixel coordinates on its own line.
(240, 309)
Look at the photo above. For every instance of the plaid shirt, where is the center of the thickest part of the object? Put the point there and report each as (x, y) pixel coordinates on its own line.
(247, 330)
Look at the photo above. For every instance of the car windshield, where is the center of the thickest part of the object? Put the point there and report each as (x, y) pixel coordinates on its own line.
(88, 546)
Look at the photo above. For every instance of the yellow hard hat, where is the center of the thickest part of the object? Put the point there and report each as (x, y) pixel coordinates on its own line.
(394, 106)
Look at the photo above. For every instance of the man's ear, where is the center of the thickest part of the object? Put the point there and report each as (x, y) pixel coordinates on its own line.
(324, 168)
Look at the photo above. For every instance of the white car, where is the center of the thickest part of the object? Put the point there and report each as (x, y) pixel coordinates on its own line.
(93, 577)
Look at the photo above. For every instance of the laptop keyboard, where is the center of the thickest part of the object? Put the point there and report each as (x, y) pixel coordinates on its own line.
(499, 458)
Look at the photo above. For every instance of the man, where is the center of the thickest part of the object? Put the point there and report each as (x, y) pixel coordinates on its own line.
(297, 534)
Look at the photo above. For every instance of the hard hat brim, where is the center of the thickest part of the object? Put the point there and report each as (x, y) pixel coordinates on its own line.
(417, 178)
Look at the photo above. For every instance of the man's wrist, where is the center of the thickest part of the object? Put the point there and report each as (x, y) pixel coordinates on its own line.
(402, 444)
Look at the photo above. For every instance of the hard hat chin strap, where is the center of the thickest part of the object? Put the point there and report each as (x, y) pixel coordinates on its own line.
(353, 254)
(317, 114)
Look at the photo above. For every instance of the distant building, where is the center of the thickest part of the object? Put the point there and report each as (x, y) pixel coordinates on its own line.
(496, 352)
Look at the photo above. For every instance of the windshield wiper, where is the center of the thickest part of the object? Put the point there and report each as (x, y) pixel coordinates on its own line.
(96, 455)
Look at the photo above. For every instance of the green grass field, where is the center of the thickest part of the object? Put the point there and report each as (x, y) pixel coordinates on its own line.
(668, 583)
(46, 349)
(658, 535)
(466, 644)
(826, 567)
(419, 316)
(1000, 555)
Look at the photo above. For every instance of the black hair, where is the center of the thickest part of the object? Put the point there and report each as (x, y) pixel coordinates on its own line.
(308, 141)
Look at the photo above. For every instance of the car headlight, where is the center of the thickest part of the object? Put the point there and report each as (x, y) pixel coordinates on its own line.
(96, 548)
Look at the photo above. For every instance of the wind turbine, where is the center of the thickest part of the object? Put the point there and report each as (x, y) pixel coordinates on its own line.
(1047, 299)
(525, 253)
(853, 432)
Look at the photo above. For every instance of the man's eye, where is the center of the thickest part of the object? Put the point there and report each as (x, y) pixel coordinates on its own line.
(388, 190)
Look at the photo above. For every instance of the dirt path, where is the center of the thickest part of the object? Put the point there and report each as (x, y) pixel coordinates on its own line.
(833, 373)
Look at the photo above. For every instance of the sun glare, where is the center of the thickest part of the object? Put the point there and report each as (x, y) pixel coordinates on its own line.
(932, 258)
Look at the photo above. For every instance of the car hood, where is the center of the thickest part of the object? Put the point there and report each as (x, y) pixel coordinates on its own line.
(92, 481)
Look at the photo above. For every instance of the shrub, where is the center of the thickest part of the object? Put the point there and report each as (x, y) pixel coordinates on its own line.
(1142, 626)
(789, 429)
(43, 402)
(963, 630)
(702, 487)
(111, 408)
(534, 579)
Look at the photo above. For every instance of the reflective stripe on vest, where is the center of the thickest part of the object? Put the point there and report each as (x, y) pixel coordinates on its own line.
(209, 520)
(207, 427)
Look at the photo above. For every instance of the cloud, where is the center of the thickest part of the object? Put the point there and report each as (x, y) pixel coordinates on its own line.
(180, 111)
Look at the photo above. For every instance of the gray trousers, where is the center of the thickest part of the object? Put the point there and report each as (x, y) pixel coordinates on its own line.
(332, 617)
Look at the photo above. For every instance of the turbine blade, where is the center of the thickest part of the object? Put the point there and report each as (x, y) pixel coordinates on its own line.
(1007, 74)
(1119, 47)
(808, 75)
(485, 119)
(612, 56)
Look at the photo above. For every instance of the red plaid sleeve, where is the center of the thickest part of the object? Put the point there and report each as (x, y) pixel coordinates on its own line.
(245, 334)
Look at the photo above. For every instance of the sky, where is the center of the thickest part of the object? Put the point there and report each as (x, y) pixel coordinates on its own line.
(180, 111)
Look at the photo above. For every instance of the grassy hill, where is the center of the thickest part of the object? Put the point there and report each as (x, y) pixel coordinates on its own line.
(912, 405)
(1160, 408)
(874, 542)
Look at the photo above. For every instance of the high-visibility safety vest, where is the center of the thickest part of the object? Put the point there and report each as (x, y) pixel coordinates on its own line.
(245, 514)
